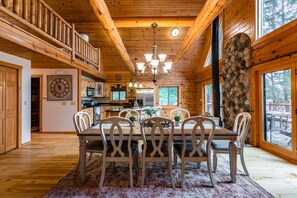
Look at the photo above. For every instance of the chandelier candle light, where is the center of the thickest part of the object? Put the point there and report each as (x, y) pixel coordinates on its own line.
(154, 66)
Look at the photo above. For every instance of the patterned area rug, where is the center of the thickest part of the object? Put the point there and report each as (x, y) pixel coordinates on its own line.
(157, 182)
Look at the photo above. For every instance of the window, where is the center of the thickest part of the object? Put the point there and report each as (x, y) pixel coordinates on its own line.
(208, 99)
(209, 55)
(168, 96)
(118, 93)
(274, 14)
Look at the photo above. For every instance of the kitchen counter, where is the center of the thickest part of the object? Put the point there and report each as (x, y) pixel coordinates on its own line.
(114, 110)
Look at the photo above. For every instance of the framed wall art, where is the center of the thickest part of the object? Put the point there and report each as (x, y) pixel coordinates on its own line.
(59, 87)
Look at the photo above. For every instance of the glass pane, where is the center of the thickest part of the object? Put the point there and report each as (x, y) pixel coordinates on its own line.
(208, 99)
(122, 95)
(173, 94)
(163, 96)
(115, 95)
(278, 108)
(276, 13)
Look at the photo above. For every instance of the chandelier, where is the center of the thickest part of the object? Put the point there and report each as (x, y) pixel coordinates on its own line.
(153, 65)
(134, 82)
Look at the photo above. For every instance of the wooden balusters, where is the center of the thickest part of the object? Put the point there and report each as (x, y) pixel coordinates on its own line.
(33, 11)
(16, 6)
(5, 3)
(45, 20)
(37, 15)
(26, 10)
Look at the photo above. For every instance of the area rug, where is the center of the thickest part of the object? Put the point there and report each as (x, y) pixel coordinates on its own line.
(157, 182)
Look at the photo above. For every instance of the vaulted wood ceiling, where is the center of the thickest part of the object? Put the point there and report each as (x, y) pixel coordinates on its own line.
(137, 40)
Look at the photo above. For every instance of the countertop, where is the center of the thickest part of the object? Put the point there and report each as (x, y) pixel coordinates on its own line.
(114, 110)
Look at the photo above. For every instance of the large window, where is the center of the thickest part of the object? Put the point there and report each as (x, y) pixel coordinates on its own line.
(275, 13)
(208, 107)
(118, 93)
(168, 96)
(209, 55)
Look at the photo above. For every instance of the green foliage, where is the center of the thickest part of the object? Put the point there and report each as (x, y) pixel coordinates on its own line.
(150, 111)
(132, 118)
(177, 118)
(168, 95)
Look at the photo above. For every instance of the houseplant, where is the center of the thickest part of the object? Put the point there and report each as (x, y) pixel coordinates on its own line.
(177, 119)
(132, 119)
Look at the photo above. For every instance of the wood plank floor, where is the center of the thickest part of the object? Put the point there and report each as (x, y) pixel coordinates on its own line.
(31, 171)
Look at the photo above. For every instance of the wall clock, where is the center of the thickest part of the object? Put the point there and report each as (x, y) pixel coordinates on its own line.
(59, 87)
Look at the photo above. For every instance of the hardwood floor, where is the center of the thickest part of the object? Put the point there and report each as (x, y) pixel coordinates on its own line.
(31, 171)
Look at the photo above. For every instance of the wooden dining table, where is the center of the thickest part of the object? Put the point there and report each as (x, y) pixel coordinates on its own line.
(221, 133)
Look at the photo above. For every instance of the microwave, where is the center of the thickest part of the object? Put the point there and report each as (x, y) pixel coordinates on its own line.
(90, 91)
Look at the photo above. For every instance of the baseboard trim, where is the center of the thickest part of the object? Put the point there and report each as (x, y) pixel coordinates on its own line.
(58, 132)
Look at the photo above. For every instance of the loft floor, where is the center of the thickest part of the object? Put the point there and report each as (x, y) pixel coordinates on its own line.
(32, 170)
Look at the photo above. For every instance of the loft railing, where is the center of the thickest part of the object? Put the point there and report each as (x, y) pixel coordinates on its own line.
(37, 15)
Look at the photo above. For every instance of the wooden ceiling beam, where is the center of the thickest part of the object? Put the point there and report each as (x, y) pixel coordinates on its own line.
(146, 22)
(210, 10)
(102, 13)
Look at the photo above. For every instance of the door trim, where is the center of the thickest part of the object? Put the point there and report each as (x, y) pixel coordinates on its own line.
(40, 77)
(256, 97)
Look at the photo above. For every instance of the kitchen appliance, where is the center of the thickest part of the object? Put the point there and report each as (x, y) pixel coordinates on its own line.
(145, 97)
(90, 91)
(97, 115)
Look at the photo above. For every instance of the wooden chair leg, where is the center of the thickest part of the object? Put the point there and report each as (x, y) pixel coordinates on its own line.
(213, 183)
(215, 162)
(91, 155)
(171, 172)
(131, 173)
(143, 173)
(243, 162)
(135, 159)
(102, 173)
(182, 173)
(175, 159)
(198, 165)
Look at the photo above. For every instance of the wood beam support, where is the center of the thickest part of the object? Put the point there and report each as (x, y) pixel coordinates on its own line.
(102, 13)
(147, 22)
(208, 13)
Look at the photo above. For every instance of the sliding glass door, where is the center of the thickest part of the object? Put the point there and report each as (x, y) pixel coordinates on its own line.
(277, 103)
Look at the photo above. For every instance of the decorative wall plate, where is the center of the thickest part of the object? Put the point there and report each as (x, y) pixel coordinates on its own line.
(59, 87)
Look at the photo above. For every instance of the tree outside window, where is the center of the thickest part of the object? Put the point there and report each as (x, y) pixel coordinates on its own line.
(275, 13)
(168, 96)
(118, 93)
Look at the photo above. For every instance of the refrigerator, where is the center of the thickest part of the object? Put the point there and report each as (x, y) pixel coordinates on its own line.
(145, 96)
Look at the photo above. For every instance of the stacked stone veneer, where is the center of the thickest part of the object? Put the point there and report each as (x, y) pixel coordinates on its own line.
(236, 78)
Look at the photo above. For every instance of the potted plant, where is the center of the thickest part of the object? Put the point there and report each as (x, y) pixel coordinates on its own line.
(177, 119)
(150, 112)
(132, 119)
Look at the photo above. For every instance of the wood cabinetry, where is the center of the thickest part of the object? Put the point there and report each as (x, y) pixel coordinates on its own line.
(90, 111)
(84, 84)
(8, 109)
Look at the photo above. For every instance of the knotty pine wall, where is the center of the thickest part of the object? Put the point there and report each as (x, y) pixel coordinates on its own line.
(240, 16)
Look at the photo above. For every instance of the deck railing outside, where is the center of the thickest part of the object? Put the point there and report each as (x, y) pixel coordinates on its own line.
(37, 15)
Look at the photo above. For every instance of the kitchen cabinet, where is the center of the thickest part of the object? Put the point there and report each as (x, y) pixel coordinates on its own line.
(84, 84)
(90, 111)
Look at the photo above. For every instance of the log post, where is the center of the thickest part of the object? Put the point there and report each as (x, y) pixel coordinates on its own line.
(51, 25)
(45, 19)
(39, 16)
(5, 3)
(98, 60)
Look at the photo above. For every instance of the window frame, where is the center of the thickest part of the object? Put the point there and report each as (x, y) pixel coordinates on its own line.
(204, 84)
(258, 17)
(168, 86)
(118, 95)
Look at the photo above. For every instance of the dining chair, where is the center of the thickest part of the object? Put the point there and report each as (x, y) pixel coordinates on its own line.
(241, 127)
(183, 113)
(195, 151)
(121, 147)
(127, 113)
(157, 144)
(82, 121)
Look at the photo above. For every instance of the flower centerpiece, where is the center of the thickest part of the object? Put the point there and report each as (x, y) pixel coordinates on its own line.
(177, 120)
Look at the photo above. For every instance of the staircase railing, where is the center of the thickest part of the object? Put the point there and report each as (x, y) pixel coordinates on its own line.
(40, 17)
